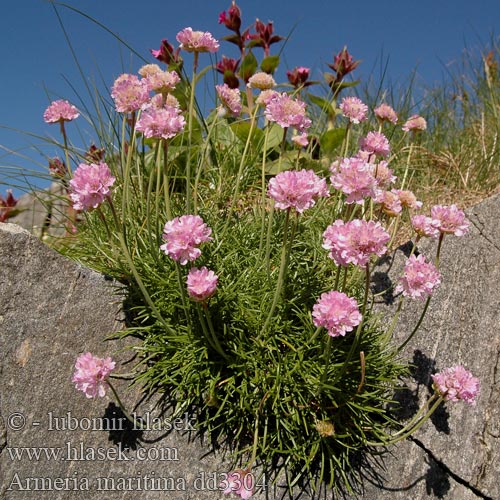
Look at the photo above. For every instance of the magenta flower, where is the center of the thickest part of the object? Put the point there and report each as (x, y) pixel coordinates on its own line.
(450, 220)
(415, 123)
(354, 109)
(355, 241)
(385, 113)
(419, 279)
(354, 178)
(91, 373)
(6, 205)
(457, 383)
(161, 122)
(424, 226)
(287, 112)
(129, 93)
(166, 53)
(197, 41)
(201, 283)
(183, 235)
(298, 77)
(60, 111)
(230, 98)
(336, 312)
(297, 189)
(90, 185)
(240, 482)
(375, 143)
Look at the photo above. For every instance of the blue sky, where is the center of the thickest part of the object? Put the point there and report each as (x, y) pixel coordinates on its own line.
(427, 35)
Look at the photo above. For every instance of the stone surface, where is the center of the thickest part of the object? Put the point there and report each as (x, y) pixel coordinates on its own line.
(53, 309)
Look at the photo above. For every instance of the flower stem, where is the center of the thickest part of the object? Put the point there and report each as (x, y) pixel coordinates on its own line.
(137, 425)
(404, 344)
(190, 134)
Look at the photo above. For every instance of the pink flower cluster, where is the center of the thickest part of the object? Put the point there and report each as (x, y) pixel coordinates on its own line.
(90, 185)
(183, 235)
(354, 109)
(161, 122)
(375, 143)
(240, 482)
(385, 113)
(450, 220)
(424, 226)
(355, 241)
(60, 111)
(230, 98)
(354, 178)
(419, 279)
(129, 93)
(336, 312)
(415, 123)
(457, 383)
(91, 373)
(197, 41)
(201, 284)
(287, 112)
(391, 205)
(297, 189)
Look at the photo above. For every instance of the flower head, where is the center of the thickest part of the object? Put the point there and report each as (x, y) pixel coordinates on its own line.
(354, 178)
(228, 67)
(336, 312)
(383, 174)
(298, 77)
(230, 98)
(354, 109)
(129, 93)
(161, 122)
(6, 205)
(91, 373)
(300, 140)
(415, 123)
(264, 37)
(232, 18)
(287, 112)
(457, 383)
(450, 220)
(201, 283)
(262, 81)
(355, 241)
(419, 279)
(424, 226)
(391, 205)
(163, 81)
(408, 198)
(60, 111)
(343, 64)
(385, 113)
(90, 185)
(240, 482)
(197, 41)
(183, 235)
(166, 53)
(375, 143)
(297, 189)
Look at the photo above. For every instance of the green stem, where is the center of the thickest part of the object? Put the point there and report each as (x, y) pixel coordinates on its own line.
(166, 181)
(137, 425)
(190, 134)
(404, 344)
(263, 191)
(405, 175)
(326, 361)
(220, 350)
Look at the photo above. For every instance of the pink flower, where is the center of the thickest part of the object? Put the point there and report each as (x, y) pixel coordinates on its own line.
(287, 112)
(197, 41)
(354, 178)
(60, 111)
(161, 123)
(240, 482)
(424, 226)
(408, 199)
(91, 373)
(376, 143)
(415, 123)
(90, 185)
(336, 312)
(389, 200)
(355, 241)
(419, 279)
(201, 283)
(383, 174)
(300, 140)
(266, 96)
(129, 93)
(230, 98)
(385, 113)
(457, 383)
(450, 220)
(297, 189)
(162, 81)
(183, 235)
(354, 109)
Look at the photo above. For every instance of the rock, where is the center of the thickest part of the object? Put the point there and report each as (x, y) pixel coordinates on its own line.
(455, 455)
